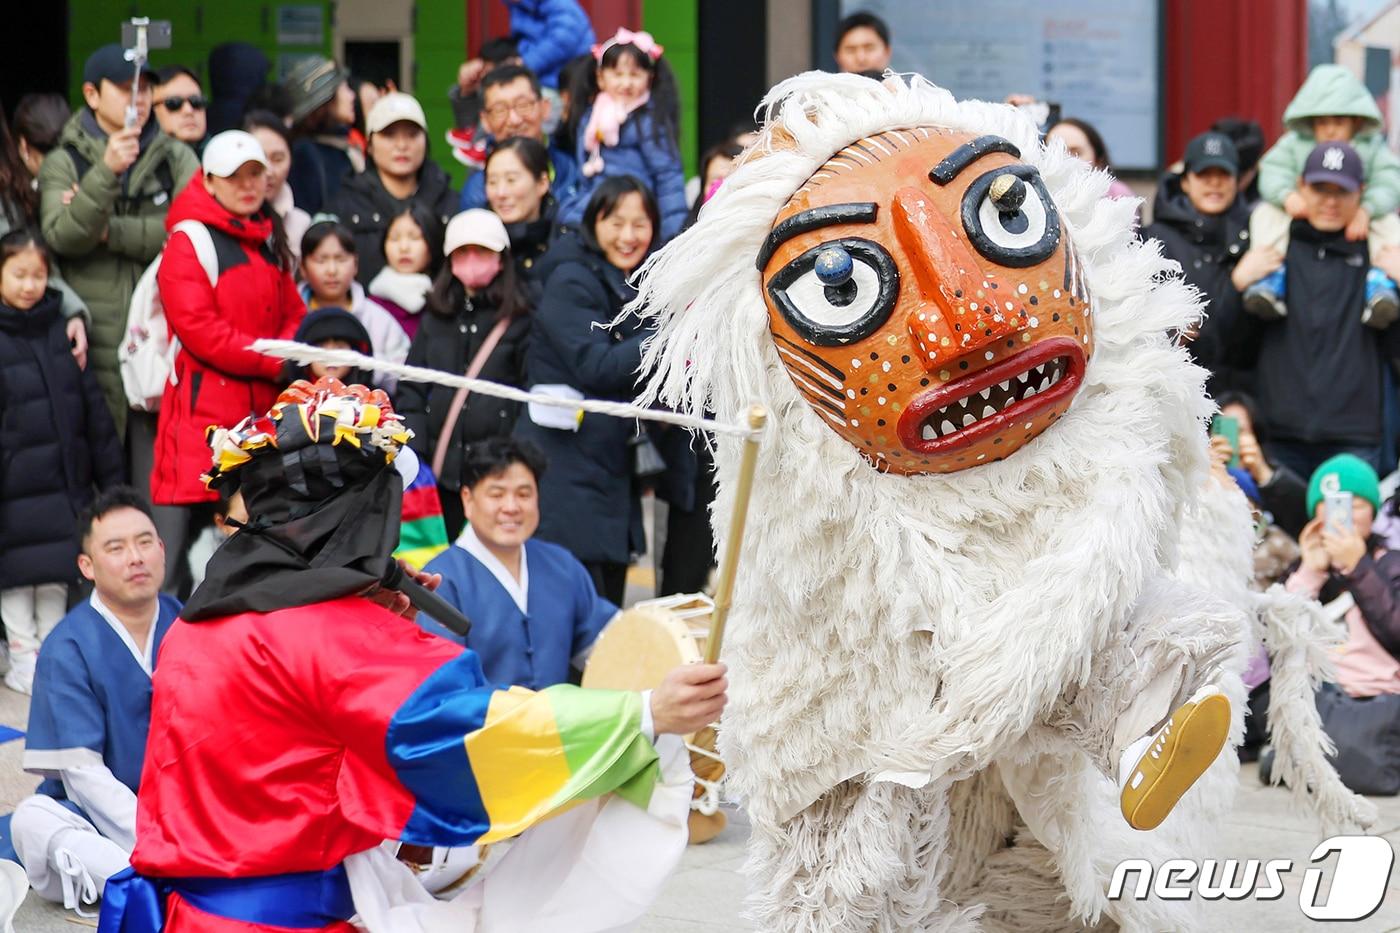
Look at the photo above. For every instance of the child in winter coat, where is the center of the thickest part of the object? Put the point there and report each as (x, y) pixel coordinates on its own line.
(1331, 106)
(57, 441)
(328, 266)
(628, 128)
(412, 250)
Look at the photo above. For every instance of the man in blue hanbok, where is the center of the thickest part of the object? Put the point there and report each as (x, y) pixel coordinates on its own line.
(534, 610)
(92, 707)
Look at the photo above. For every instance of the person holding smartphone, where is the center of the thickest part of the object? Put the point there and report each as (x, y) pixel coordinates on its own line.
(1341, 556)
(1357, 580)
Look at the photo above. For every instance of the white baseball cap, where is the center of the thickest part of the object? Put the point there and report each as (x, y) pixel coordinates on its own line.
(226, 152)
(393, 108)
(476, 227)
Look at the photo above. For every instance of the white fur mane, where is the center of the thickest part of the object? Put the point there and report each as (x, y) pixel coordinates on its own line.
(935, 616)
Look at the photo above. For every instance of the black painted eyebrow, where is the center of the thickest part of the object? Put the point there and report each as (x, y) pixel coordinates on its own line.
(814, 219)
(963, 156)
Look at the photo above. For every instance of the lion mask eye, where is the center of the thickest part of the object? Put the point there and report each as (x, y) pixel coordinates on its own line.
(839, 292)
(1010, 218)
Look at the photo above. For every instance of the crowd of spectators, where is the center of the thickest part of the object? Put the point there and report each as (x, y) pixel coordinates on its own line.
(308, 208)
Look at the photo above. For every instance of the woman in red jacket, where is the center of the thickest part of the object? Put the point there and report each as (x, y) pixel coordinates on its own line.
(217, 380)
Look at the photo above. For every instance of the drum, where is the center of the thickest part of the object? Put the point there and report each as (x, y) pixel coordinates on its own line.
(634, 653)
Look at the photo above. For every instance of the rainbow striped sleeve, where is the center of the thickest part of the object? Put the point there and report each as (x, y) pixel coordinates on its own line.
(485, 764)
(422, 534)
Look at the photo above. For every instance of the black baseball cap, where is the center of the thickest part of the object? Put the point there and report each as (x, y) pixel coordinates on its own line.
(1334, 163)
(110, 62)
(1212, 150)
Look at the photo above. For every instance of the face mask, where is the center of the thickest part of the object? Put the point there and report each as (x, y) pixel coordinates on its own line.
(474, 268)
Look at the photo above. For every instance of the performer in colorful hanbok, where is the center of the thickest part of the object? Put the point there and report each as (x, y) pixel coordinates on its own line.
(92, 707)
(535, 612)
(301, 718)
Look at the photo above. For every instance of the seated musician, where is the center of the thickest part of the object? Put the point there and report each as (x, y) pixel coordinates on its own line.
(534, 610)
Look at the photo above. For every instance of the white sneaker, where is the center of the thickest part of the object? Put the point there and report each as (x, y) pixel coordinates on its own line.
(20, 676)
(14, 887)
(20, 680)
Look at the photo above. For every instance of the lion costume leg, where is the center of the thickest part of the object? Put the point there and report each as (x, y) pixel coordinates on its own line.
(865, 857)
(994, 862)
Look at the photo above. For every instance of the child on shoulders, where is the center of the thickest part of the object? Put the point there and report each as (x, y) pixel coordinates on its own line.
(1331, 106)
(627, 126)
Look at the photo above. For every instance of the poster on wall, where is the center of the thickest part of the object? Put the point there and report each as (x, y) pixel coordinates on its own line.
(1098, 59)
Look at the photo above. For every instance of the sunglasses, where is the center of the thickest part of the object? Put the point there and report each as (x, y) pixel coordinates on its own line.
(174, 104)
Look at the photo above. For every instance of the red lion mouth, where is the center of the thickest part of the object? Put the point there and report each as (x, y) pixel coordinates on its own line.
(975, 408)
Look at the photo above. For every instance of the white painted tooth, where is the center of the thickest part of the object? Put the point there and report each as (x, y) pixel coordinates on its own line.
(1040, 370)
(1024, 377)
(1045, 383)
(988, 411)
(1029, 392)
(1005, 386)
(986, 393)
(968, 419)
(946, 427)
(929, 433)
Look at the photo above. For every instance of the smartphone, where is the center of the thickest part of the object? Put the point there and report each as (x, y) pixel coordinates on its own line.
(139, 36)
(1336, 512)
(157, 33)
(1228, 428)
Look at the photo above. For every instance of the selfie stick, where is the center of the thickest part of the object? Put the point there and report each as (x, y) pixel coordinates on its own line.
(137, 55)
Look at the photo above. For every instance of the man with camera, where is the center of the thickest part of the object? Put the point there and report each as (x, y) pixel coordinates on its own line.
(103, 195)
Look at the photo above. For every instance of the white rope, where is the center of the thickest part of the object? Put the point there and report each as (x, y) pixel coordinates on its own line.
(306, 354)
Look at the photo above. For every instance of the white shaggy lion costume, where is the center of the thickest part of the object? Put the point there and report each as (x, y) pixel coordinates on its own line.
(936, 664)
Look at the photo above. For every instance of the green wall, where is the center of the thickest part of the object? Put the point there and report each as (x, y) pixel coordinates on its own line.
(195, 29)
(439, 47)
(676, 25)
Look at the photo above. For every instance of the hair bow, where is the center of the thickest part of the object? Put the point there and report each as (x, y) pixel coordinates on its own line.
(642, 40)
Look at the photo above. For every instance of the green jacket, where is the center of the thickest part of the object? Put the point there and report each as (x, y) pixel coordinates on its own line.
(1331, 90)
(131, 211)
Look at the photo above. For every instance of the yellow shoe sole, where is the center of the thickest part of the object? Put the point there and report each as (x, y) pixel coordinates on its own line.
(1194, 743)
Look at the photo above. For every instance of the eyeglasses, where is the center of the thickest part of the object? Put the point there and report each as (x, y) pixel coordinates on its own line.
(174, 104)
(522, 107)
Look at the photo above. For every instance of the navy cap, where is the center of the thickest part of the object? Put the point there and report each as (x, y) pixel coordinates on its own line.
(110, 62)
(1334, 163)
(1212, 150)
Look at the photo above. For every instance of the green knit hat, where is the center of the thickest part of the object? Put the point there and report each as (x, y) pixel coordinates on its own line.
(1344, 473)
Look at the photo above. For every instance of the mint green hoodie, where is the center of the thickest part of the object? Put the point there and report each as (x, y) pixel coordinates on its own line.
(1331, 90)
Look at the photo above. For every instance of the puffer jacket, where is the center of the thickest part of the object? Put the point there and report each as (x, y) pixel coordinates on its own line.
(1207, 247)
(1332, 90)
(549, 33)
(56, 443)
(449, 343)
(110, 231)
(588, 501)
(640, 153)
(217, 379)
(363, 205)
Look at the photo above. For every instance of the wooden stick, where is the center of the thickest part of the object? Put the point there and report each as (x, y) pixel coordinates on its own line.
(729, 566)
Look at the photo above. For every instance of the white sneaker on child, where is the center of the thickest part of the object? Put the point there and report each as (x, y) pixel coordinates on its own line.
(20, 676)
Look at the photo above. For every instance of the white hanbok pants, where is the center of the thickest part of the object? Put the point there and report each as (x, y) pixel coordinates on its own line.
(68, 861)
